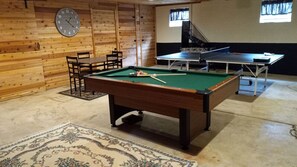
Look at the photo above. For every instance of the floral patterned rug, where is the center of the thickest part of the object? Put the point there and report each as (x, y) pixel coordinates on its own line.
(71, 145)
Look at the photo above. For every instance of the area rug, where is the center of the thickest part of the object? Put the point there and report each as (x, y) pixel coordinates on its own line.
(86, 95)
(74, 146)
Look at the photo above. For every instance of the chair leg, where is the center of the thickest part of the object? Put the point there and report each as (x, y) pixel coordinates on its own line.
(70, 81)
(79, 86)
(74, 81)
(84, 85)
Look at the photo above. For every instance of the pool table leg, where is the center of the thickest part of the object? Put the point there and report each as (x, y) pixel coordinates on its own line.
(116, 111)
(112, 111)
(184, 128)
(208, 118)
(207, 111)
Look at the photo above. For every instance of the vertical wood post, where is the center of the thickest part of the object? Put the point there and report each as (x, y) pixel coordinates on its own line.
(137, 34)
(93, 35)
(26, 5)
(116, 18)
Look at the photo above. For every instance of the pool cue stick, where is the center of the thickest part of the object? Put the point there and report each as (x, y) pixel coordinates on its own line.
(168, 74)
(147, 75)
(155, 75)
(158, 79)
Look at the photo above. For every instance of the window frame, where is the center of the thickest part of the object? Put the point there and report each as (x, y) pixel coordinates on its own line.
(177, 22)
(276, 11)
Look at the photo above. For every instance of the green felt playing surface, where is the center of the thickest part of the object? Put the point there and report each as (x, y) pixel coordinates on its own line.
(192, 80)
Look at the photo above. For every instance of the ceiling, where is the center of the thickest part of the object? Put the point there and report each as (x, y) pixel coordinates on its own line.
(159, 2)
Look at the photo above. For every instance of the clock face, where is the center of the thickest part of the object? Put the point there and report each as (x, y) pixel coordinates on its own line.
(67, 22)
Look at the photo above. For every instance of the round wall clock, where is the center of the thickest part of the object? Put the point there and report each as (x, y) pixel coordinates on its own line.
(67, 22)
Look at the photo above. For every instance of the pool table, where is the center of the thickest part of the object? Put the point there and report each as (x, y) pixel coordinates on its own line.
(187, 96)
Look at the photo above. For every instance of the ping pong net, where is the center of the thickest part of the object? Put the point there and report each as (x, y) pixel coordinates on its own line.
(214, 52)
(193, 58)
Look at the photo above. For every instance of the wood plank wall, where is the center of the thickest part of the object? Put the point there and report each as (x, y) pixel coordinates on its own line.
(147, 35)
(54, 46)
(21, 68)
(104, 28)
(127, 33)
(32, 52)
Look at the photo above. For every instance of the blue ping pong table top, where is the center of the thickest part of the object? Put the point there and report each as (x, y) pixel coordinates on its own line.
(181, 56)
(192, 56)
(243, 58)
(222, 57)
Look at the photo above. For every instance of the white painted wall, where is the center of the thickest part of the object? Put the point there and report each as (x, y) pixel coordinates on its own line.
(164, 32)
(228, 21)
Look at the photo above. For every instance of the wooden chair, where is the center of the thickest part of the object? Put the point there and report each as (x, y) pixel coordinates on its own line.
(86, 67)
(120, 57)
(111, 61)
(76, 75)
(83, 55)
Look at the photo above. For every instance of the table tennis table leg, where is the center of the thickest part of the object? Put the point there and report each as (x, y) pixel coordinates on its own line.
(169, 65)
(227, 68)
(187, 65)
(256, 80)
(266, 73)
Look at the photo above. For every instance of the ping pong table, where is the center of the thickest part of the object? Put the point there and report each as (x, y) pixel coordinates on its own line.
(188, 57)
(261, 62)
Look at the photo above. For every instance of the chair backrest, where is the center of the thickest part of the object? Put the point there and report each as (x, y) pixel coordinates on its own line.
(73, 66)
(120, 57)
(118, 53)
(111, 61)
(83, 55)
(111, 57)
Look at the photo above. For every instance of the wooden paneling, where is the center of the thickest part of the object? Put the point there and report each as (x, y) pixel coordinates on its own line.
(147, 33)
(127, 33)
(158, 2)
(135, 31)
(104, 29)
(32, 51)
(17, 46)
(21, 70)
(103, 5)
(54, 46)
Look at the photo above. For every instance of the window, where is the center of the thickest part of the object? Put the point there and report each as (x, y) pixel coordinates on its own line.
(276, 11)
(177, 16)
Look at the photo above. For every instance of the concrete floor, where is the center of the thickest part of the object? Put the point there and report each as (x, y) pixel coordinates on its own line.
(245, 130)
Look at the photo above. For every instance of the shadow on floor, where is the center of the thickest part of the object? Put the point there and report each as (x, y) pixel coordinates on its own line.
(164, 131)
(246, 89)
